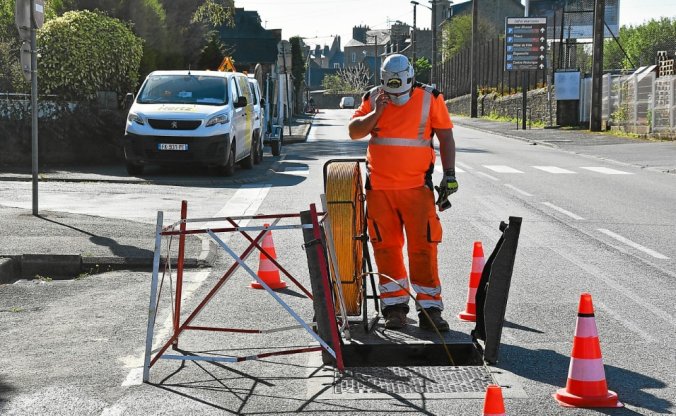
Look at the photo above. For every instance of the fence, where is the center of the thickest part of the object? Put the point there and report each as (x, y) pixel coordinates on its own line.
(638, 102)
(453, 77)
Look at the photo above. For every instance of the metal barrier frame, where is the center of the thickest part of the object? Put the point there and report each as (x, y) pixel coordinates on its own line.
(180, 327)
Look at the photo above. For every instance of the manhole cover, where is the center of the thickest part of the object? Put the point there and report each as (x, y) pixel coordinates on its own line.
(403, 380)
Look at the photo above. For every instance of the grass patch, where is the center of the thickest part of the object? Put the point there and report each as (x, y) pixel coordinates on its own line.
(42, 278)
(512, 120)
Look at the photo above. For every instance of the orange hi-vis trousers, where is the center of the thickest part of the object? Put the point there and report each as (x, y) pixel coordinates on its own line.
(390, 213)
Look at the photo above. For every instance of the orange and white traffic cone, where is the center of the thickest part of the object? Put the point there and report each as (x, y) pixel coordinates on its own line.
(493, 404)
(267, 271)
(586, 385)
(469, 314)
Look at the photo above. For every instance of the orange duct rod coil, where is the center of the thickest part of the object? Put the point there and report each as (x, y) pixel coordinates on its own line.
(345, 206)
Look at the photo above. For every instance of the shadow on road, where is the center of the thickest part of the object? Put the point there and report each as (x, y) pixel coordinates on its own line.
(550, 367)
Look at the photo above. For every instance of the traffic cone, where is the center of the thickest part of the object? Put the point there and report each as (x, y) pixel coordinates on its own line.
(469, 314)
(493, 404)
(267, 271)
(586, 385)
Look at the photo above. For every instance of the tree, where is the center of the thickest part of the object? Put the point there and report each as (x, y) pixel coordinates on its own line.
(456, 34)
(350, 80)
(641, 43)
(422, 68)
(83, 52)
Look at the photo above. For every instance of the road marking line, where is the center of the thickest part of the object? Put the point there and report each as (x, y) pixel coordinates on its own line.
(246, 201)
(633, 244)
(606, 171)
(502, 169)
(493, 178)
(524, 193)
(553, 169)
(563, 211)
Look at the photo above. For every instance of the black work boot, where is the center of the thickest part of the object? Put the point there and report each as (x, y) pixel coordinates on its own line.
(395, 316)
(435, 320)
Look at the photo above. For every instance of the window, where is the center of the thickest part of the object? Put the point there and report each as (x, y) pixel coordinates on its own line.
(336, 66)
(354, 57)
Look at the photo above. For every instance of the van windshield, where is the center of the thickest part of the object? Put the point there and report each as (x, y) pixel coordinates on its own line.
(184, 89)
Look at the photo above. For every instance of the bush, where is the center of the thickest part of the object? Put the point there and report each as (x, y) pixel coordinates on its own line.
(83, 52)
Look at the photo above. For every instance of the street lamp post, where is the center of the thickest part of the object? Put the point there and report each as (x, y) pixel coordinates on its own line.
(413, 35)
(434, 41)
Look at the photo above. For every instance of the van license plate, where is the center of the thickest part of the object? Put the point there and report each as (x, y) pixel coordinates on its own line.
(172, 146)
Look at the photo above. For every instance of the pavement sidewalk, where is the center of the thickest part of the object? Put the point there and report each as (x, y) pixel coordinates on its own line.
(65, 245)
(648, 154)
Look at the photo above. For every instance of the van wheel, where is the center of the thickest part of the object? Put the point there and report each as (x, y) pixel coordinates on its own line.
(276, 147)
(226, 169)
(258, 150)
(248, 162)
(134, 169)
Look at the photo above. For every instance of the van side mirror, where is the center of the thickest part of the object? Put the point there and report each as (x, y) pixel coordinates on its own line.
(128, 100)
(262, 102)
(241, 102)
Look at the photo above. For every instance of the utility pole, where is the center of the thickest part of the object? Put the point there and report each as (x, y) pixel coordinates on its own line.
(433, 77)
(376, 66)
(597, 66)
(413, 36)
(473, 73)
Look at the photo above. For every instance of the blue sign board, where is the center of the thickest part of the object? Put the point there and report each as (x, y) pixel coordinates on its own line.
(526, 43)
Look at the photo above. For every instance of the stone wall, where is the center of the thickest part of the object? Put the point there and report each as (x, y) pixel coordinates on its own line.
(506, 106)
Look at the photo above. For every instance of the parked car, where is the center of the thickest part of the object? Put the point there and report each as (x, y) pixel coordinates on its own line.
(259, 121)
(181, 117)
(347, 102)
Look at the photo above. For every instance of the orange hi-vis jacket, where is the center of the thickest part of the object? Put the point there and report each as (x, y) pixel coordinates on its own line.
(401, 152)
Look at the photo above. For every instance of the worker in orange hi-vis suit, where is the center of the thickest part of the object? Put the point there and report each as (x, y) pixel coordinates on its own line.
(402, 116)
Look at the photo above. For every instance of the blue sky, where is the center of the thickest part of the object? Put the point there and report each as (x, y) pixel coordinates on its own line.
(320, 20)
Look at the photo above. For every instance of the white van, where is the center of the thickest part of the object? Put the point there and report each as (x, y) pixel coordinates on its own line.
(347, 102)
(186, 117)
(259, 126)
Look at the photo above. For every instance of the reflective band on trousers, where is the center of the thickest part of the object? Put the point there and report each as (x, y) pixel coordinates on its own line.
(431, 291)
(394, 301)
(393, 286)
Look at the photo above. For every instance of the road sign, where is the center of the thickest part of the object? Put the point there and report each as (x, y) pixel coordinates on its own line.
(22, 18)
(38, 13)
(526, 43)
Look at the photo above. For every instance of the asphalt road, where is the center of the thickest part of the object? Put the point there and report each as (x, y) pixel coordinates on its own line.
(75, 347)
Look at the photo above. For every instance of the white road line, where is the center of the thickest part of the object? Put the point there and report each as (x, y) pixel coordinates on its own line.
(463, 165)
(493, 178)
(634, 245)
(563, 211)
(246, 201)
(524, 193)
(553, 169)
(606, 171)
(502, 169)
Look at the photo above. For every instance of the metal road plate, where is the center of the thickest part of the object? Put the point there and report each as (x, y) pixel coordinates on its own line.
(409, 382)
(403, 380)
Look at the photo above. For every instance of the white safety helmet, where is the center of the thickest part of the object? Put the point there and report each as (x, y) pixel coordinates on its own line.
(396, 74)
